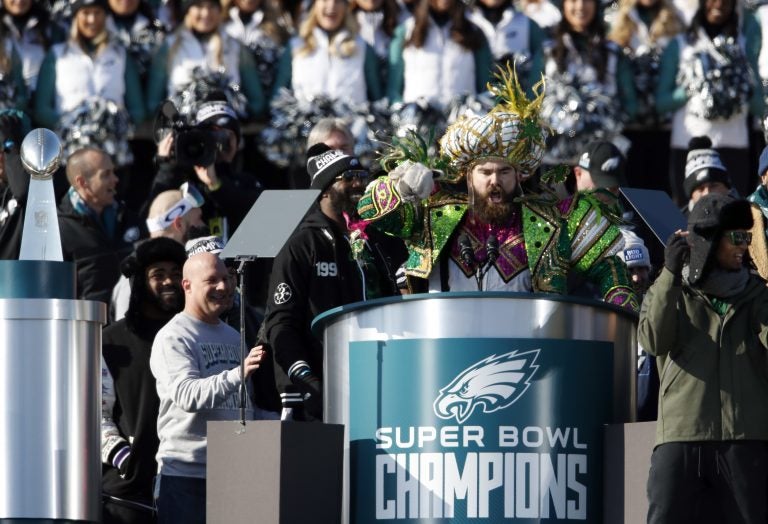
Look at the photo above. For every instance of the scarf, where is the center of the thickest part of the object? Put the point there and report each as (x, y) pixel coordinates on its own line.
(108, 219)
(722, 284)
(760, 197)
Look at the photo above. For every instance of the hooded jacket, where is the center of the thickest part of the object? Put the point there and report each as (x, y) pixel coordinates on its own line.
(312, 273)
(713, 370)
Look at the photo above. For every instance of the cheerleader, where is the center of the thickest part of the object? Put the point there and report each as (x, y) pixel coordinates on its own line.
(642, 28)
(28, 25)
(87, 84)
(258, 26)
(513, 37)
(329, 58)
(438, 55)
(377, 20)
(198, 57)
(589, 91)
(708, 80)
(134, 24)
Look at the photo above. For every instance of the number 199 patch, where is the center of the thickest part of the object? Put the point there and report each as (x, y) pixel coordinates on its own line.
(326, 269)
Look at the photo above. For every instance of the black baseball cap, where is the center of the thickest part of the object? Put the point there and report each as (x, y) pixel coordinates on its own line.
(605, 163)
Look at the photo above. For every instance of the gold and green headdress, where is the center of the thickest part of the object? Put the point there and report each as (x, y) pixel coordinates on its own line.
(412, 147)
(511, 131)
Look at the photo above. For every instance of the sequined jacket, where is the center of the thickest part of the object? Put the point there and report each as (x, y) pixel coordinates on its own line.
(562, 239)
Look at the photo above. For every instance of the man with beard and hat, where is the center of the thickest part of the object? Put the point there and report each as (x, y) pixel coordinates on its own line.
(328, 261)
(174, 214)
(130, 402)
(493, 235)
(705, 319)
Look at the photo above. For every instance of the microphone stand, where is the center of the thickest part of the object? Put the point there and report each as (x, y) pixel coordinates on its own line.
(492, 249)
(243, 260)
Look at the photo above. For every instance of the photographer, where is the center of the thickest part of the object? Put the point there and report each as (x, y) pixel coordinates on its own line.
(706, 321)
(204, 153)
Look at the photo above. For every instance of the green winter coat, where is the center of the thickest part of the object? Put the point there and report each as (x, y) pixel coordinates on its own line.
(713, 370)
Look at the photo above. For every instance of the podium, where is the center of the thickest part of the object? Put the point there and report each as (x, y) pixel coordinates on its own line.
(476, 405)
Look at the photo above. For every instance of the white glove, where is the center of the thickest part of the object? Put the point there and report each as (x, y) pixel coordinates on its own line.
(414, 180)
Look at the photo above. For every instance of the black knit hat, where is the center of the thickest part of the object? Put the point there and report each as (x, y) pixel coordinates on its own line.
(186, 4)
(76, 5)
(703, 164)
(713, 214)
(324, 167)
(148, 252)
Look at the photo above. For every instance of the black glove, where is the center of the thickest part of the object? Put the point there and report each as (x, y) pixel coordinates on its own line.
(676, 253)
(311, 389)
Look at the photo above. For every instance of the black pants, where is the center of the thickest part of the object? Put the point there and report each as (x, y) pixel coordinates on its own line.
(120, 511)
(702, 482)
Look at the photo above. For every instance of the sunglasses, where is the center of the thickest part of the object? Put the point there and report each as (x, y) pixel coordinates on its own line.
(354, 174)
(190, 199)
(739, 238)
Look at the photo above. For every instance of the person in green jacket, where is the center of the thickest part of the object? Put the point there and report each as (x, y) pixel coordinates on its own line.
(706, 321)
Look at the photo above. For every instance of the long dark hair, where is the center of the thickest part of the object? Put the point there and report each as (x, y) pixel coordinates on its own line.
(730, 28)
(391, 13)
(596, 53)
(463, 32)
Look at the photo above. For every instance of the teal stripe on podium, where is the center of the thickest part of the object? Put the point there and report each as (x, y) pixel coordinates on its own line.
(37, 279)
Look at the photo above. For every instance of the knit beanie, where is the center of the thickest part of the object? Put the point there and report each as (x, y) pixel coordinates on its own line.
(79, 4)
(186, 4)
(703, 164)
(324, 167)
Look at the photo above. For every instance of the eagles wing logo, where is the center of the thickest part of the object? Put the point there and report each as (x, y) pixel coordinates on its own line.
(491, 384)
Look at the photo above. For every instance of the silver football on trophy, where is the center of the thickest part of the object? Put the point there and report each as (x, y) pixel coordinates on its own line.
(41, 153)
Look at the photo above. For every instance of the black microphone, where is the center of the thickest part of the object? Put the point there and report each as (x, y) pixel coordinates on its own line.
(466, 252)
(492, 248)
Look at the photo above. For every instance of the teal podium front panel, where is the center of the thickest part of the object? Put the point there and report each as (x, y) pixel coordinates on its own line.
(480, 430)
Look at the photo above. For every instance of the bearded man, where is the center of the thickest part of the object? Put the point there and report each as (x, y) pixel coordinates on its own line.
(130, 402)
(327, 262)
(475, 227)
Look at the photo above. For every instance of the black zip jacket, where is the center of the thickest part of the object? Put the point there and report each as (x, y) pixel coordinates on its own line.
(312, 273)
(97, 257)
(126, 349)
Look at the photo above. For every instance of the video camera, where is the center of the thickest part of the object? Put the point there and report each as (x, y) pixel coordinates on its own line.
(193, 144)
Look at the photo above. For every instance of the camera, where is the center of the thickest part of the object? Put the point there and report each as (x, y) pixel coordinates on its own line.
(193, 144)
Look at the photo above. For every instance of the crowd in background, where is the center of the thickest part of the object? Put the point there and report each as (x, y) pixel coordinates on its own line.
(677, 86)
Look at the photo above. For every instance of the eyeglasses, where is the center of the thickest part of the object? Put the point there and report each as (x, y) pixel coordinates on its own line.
(739, 238)
(190, 198)
(354, 174)
(7, 145)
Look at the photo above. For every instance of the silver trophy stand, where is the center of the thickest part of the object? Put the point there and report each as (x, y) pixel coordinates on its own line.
(50, 346)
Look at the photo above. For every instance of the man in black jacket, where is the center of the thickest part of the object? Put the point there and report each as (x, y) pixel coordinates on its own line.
(329, 261)
(14, 182)
(97, 232)
(130, 403)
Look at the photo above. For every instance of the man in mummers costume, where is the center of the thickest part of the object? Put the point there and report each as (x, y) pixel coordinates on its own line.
(492, 235)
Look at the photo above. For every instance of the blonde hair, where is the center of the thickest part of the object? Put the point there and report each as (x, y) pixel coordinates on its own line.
(344, 49)
(100, 41)
(666, 23)
(216, 42)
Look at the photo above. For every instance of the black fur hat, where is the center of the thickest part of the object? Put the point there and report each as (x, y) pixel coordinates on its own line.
(148, 252)
(713, 214)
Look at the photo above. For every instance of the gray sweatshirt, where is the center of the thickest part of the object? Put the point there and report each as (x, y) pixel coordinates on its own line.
(197, 368)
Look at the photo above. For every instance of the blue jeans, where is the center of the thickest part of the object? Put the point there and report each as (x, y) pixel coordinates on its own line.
(181, 500)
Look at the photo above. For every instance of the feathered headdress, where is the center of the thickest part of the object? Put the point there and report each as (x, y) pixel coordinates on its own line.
(511, 131)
